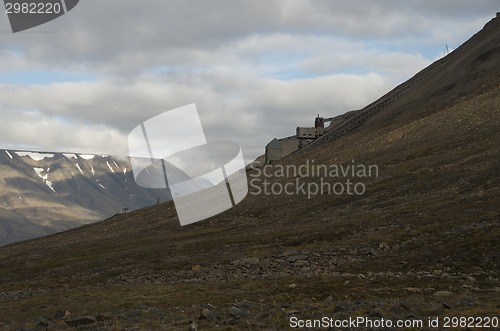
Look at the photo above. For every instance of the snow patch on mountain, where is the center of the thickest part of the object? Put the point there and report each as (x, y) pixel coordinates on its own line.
(45, 178)
(109, 166)
(79, 169)
(35, 156)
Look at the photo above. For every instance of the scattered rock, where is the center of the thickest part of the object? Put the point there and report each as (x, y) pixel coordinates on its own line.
(429, 290)
(67, 315)
(446, 305)
(375, 313)
(81, 320)
(14, 295)
(290, 252)
(208, 314)
(196, 268)
(60, 314)
(102, 317)
(441, 294)
(413, 290)
(247, 261)
(291, 311)
(237, 312)
(468, 303)
(294, 258)
(300, 263)
(338, 309)
(435, 308)
(244, 305)
(292, 285)
(193, 327)
(384, 246)
(42, 322)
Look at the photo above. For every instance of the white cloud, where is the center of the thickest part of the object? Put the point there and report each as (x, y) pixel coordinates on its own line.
(36, 131)
(99, 117)
(254, 74)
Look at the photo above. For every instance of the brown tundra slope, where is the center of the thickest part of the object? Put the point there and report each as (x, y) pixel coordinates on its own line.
(422, 240)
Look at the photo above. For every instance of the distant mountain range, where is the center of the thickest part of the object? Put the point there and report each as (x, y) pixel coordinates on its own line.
(44, 193)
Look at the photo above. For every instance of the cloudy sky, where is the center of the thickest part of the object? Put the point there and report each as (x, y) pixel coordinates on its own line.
(255, 69)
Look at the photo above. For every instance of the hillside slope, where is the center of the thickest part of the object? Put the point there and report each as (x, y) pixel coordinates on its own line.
(420, 241)
(474, 65)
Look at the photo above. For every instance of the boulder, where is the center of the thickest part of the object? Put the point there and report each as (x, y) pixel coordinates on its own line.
(81, 320)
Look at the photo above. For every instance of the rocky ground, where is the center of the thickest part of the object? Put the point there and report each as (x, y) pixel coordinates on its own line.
(288, 274)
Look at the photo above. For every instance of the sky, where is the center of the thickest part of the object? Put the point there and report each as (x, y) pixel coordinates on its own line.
(255, 69)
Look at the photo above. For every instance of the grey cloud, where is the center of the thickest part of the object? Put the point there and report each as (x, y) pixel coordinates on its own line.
(227, 56)
(97, 117)
(125, 35)
(36, 131)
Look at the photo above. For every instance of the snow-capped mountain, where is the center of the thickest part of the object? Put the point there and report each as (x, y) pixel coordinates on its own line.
(43, 193)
